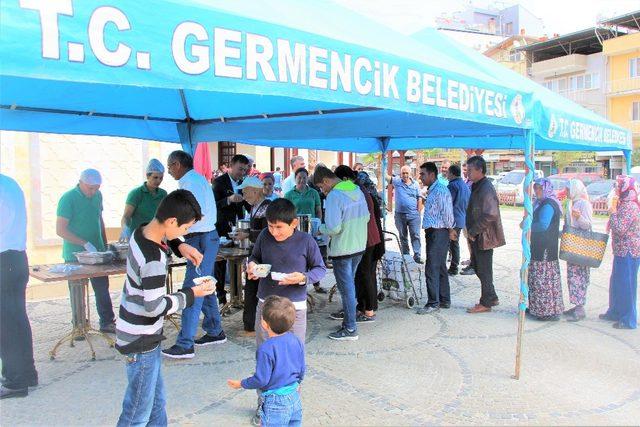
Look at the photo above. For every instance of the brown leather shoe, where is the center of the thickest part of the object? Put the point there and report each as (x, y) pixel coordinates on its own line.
(478, 308)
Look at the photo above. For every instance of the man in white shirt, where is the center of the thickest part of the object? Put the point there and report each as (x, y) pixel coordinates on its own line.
(297, 162)
(16, 342)
(204, 237)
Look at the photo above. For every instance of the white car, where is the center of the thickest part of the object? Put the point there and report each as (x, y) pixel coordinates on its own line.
(513, 182)
(495, 179)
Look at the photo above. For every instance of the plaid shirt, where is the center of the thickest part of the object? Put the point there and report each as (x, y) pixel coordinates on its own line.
(438, 207)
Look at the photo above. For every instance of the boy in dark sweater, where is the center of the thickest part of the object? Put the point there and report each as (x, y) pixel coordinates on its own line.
(279, 366)
(288, 251)
(144, 303)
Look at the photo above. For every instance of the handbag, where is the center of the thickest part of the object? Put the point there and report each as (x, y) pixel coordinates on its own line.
(582, 247)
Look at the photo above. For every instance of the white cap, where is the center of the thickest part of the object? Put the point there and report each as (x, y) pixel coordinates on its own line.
(91, 177)
(155, 166)
(251, 181)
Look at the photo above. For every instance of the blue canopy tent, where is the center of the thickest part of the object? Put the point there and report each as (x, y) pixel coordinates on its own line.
(275, 73)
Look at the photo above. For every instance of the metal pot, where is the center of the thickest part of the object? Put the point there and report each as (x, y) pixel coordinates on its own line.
(244, 225)
(304, 223)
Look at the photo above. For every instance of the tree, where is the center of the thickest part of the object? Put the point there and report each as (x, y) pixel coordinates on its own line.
(635, 157)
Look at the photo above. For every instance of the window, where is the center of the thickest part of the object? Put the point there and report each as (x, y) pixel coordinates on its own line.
(226, 150)
(576, 83)
(508, 29)
(562, 85)
(634, 67)
(515, 56)
(635, 111)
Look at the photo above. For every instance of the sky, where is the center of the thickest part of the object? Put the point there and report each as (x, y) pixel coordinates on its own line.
(559, 16)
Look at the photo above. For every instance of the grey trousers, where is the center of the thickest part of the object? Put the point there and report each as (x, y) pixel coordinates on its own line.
(299, 326)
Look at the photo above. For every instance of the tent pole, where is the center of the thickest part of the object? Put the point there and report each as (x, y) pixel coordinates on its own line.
(384, 143)
(627, 157)
(529, 150)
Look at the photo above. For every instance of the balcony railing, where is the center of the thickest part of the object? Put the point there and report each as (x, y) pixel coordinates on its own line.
(623, 86)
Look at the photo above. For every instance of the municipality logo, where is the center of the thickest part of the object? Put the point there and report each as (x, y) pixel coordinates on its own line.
(553, 126)
(517, 109)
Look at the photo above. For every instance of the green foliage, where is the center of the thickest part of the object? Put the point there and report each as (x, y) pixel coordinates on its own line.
(635, 157)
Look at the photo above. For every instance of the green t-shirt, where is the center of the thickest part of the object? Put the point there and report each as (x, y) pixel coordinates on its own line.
(145, 204)
(84, 215)
(305, 202)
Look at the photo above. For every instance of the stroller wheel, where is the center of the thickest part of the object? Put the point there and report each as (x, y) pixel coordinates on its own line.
(380, 296)
(411, 302)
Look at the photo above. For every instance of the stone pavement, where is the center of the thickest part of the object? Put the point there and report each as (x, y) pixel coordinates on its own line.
(447, 368)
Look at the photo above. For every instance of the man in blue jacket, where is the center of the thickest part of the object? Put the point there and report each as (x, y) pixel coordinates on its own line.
(460, 194)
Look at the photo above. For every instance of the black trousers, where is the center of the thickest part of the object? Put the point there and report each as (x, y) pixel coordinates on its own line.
(435, 269)
(250, 304)
(483, 264)
(472, 260)
(220, 274)
(16, 342)
(454, 249)
(367, 282)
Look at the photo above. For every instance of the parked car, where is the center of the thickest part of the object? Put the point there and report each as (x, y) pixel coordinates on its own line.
(560, 181)
(495, 179)
(513, 182)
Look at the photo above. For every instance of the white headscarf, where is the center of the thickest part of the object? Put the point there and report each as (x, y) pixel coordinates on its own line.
(91, 177)
(155, 166)
(577, 190)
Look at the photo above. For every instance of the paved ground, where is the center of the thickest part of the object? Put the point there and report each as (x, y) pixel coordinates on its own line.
(448, 368)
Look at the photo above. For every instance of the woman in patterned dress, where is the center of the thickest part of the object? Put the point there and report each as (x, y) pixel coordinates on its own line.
(545, 287)
(578, 215)
(624, 225)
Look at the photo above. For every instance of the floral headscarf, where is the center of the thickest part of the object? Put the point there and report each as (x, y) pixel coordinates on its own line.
(547, 193)
(626, 189)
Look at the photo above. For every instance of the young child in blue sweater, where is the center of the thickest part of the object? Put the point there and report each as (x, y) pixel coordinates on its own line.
(279, 366)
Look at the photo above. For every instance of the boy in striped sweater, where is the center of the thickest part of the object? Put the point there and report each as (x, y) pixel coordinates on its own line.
(144, 303)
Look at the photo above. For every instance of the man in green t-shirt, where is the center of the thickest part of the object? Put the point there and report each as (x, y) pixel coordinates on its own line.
(79, 223)
(143, 201)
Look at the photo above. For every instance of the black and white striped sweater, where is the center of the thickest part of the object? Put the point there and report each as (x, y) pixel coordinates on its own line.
(144, 301)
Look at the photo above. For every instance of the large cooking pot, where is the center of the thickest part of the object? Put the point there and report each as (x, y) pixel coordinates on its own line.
(245, 226)
(304, 223)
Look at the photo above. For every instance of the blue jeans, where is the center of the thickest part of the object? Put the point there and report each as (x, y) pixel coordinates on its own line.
(144, 401)
(413, 223)
(281, 410)
(207, 244)
(344, 270)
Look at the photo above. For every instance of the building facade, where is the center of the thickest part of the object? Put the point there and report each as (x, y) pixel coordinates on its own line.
(622, 87)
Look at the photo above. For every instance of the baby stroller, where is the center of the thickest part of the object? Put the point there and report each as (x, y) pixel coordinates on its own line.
(399, 276)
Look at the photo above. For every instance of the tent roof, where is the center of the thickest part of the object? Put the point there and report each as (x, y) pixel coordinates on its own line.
(121, 68)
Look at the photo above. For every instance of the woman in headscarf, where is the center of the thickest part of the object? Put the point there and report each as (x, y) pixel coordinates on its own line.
(578, 215)
(268, 182)
(253, 193)
(545, 287)
(143, 201)
(365, 278)
(624, 225)
(365, 183)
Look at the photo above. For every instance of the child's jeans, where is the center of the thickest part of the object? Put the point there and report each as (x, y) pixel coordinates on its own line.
(281, 410)
(144, 401)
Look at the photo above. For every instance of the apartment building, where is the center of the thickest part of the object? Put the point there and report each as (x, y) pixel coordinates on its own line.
(575, 66)
(622, 87)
